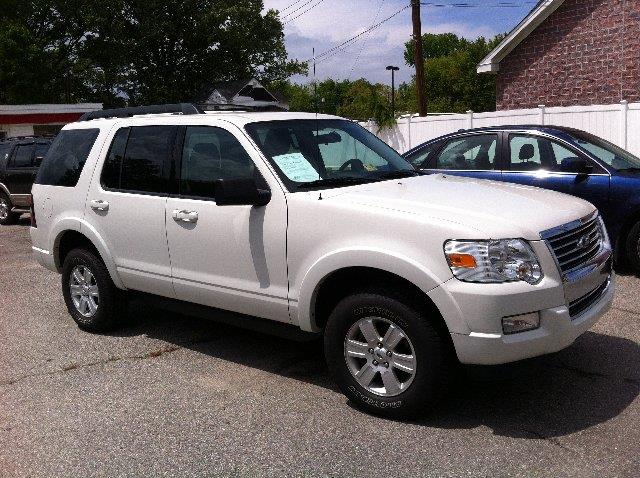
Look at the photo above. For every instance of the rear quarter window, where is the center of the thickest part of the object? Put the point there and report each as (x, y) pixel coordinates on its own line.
(65, 159)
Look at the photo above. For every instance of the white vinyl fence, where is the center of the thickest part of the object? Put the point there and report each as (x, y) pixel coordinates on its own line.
(618, 123)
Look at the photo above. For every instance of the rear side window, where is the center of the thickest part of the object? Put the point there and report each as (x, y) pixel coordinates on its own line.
(22, 156)
(66, 157)
(145, 158)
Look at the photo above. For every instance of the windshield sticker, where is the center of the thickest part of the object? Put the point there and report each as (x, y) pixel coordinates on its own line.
(296, 167)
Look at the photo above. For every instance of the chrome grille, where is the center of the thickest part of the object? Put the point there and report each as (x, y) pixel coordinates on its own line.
(578, 306)
(575, 246)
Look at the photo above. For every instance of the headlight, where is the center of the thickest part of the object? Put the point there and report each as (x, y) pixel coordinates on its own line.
(503, 260)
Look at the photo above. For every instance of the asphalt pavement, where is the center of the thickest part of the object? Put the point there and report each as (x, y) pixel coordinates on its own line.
(171, 395)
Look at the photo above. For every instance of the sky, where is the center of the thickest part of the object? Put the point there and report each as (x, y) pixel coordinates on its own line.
(332, 22)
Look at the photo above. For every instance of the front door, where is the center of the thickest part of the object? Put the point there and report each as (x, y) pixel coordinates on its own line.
(538, 161)
(127, 206)
(229, 257)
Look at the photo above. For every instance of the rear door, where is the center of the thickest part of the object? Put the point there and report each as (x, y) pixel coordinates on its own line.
(537, 161)
(472, 155)
(127, 205)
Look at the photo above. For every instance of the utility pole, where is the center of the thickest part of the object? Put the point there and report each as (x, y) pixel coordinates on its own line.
(417, 56)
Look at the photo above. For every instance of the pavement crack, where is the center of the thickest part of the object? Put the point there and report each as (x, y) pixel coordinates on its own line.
(76, 366)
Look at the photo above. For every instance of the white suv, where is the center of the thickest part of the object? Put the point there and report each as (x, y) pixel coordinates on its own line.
(314, 222)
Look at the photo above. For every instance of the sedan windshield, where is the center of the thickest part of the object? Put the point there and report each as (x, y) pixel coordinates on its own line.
(326, 153)
(608, 153)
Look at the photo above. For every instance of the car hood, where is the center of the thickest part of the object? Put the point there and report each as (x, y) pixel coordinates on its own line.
(494, 209)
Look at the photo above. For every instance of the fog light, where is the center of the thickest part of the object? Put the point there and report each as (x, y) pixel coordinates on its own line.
(520, 323)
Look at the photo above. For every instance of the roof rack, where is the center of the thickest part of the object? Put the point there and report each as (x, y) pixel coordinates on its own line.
(176, 108)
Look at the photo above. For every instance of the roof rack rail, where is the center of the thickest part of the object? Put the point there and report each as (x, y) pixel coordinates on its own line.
(176, 108)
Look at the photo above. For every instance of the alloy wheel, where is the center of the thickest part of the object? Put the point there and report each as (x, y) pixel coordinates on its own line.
(380, 356)
(84, 291)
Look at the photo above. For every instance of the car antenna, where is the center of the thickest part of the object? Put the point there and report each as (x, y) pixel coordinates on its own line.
(315, 101)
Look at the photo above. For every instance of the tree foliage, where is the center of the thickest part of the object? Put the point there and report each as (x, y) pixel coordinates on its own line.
(135, 51)
(452, 82)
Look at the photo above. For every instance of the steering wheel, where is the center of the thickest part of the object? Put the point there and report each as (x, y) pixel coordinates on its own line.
(356, 165)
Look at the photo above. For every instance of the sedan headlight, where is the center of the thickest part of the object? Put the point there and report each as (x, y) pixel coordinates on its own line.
(504, 260)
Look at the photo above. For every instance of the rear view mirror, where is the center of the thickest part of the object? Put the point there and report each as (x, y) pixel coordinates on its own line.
(576, 165)
(240, 192)
(332, 137)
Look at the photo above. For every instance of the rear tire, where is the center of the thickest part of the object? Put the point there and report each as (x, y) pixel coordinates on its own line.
(6, 216)
(633, 247)
(410, 392)
(92, 299)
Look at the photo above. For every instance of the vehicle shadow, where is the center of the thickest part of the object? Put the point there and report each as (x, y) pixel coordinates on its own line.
(589, 383)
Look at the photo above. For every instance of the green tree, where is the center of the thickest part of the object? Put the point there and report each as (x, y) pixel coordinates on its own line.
(452, 82)
(141, 51)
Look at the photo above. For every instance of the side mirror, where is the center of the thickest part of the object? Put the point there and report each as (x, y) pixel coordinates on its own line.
(38, 160)
(576, 165)
(240, 192)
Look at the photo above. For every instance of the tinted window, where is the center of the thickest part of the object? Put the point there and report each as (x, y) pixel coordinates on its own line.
(420, 158)
(208, 154)
(469, 153)
(145, 157)
(41, 152)
(110, 177)
(66, 157)
(22, 156)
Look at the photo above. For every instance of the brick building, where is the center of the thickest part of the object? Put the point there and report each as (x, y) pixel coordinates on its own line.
(569, 52)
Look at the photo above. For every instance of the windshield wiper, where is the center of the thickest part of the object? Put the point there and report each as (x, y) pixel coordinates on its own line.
(632, 168)
(402, 173)
(333, 182)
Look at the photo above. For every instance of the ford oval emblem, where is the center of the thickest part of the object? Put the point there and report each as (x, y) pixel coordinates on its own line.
(583, 242)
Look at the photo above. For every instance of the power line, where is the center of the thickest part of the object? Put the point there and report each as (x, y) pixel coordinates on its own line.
(290, 5)
(366, 39)
(289, 18)
(353, 38)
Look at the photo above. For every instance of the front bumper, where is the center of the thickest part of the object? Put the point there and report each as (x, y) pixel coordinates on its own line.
(557, 331)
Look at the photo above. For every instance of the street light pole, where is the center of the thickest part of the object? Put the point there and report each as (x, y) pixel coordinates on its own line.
(393, 69)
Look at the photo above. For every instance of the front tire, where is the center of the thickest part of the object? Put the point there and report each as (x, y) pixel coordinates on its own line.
(92, 299)
(387, 355)
(6, 216)
(633, 247)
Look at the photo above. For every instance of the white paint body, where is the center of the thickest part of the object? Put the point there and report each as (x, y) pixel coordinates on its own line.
(270, 261)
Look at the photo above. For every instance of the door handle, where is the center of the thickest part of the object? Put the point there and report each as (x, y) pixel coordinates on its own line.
(184, 216)
(99, 205)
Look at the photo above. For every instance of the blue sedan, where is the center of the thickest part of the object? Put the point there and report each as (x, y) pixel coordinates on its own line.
(563, 159)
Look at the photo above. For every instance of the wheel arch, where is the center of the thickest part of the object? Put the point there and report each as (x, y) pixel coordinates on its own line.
(82, 235)
(623, 234)
(332, 277)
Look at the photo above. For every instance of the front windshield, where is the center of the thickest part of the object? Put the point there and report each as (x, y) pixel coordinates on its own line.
(608, 153)
(319, 153)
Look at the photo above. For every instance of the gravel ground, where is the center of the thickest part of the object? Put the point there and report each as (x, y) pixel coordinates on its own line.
(176, 396)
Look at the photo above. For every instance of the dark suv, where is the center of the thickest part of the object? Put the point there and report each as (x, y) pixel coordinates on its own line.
(19, 162)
